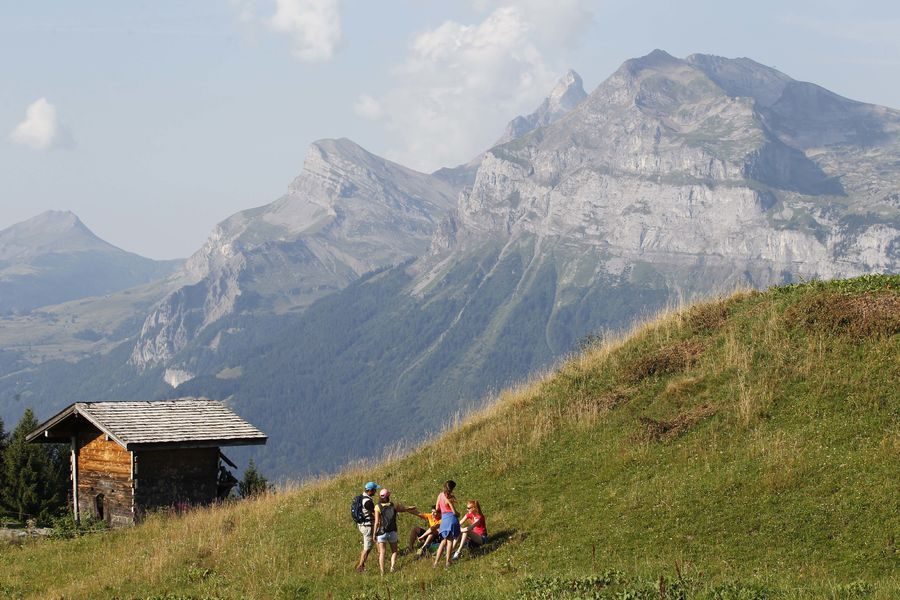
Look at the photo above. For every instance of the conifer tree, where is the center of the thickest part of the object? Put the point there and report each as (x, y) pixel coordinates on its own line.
(3, 440)
(32, 487)
(253, 483)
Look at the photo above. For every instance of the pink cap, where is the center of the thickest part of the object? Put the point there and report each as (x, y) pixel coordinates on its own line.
(385, 493)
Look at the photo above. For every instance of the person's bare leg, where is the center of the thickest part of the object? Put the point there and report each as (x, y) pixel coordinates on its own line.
(437, 556)
(393, 555)
(414, 534)
(461, 544)
(381, 557)
(428, 538)
(362, 560)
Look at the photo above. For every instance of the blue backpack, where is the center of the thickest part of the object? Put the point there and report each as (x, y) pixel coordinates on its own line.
(356, 509)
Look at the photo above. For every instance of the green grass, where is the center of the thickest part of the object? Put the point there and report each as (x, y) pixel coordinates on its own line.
(742, 449)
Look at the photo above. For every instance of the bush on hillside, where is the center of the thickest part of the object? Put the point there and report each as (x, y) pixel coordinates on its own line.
(65, 526)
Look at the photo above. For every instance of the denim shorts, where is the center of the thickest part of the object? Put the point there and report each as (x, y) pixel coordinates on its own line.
(388, 537)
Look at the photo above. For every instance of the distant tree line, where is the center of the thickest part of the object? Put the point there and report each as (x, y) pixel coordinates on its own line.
(34, 478)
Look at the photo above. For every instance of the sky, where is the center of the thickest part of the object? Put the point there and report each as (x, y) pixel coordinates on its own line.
(153, 121)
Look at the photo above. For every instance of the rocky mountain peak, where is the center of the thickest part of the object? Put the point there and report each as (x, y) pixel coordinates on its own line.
(565, 95)
(656, 60)
(335, 153)
(50, 221)
(52, 231)
(348, 212)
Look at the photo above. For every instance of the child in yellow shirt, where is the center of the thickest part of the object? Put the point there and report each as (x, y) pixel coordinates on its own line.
(425, 535)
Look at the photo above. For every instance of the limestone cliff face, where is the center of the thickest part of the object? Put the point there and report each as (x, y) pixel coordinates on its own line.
(691, 162)
(347, 213)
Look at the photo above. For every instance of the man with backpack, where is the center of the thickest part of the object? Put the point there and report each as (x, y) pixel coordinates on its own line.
(363, 512)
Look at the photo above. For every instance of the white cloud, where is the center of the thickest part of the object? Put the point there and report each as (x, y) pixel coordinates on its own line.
(313, 25)
(460, 84)
(557, 22)
(367, 107)
(40, 128)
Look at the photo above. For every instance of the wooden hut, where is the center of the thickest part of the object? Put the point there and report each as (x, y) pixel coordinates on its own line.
(128, 457)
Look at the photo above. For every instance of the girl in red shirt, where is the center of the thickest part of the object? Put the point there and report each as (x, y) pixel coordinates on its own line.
(476, 533)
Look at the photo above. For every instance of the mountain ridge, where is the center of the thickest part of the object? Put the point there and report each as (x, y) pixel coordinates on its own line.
(49, 232)
(53, 258)
(659, 187)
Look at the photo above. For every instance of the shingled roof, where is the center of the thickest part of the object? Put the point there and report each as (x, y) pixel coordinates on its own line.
(186, 422)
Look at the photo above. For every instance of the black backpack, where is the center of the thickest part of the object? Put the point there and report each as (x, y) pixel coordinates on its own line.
(388, 519)
(356, 509)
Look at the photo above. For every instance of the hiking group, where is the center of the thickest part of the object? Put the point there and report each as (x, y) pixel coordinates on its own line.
(377, 522)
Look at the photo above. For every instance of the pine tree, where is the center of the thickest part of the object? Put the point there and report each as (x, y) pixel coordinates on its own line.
(32, 489)
(253, 483)
(3, 440)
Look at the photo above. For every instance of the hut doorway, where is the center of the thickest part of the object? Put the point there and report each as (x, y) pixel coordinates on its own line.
(100, 507)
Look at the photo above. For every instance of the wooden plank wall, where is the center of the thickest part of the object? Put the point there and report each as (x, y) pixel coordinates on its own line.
(104, 467)
(167, 478)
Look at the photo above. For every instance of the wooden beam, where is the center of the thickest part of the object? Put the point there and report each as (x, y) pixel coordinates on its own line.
(227, 461)
(75, 477)
(133, 485)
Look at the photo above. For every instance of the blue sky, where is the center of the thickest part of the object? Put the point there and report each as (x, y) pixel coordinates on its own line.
(153, 121)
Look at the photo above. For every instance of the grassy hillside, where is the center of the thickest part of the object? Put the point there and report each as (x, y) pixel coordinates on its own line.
(747, 448)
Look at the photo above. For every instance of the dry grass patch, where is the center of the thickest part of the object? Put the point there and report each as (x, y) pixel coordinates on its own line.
(587, 411)
(754, 400)
(890, 443)
(708, 318)
(671, 358)
(658, 431)
(858, 316)
(678, 388)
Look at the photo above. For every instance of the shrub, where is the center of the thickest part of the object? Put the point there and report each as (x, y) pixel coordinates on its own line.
(65, 526)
